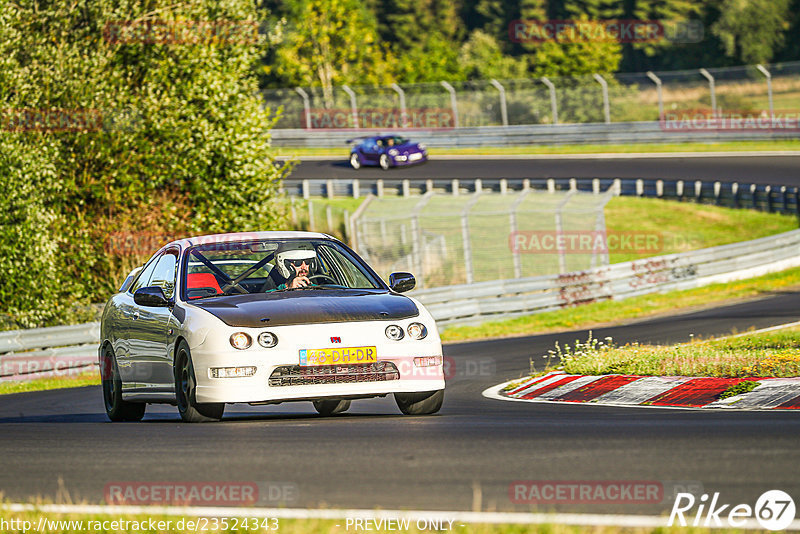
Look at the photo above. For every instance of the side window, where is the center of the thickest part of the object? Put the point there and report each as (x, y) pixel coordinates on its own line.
(164, 274)
(144, 277)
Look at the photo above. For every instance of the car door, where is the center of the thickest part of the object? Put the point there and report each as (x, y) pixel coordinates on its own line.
(151, 330)
(127, 322)
(370, 151)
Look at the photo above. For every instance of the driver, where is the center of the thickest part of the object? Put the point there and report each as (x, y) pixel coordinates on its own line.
(295, 262)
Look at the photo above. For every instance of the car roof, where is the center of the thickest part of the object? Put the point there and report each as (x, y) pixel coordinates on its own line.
(246, 236)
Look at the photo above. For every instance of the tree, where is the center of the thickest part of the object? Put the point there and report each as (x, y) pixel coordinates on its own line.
(752, 31)
(152, 126)
(328, 43)
(482, 58)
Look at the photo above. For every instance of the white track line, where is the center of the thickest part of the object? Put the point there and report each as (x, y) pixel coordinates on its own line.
(633, 521)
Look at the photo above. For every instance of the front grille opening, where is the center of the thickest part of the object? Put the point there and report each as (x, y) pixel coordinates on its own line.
(295, 375)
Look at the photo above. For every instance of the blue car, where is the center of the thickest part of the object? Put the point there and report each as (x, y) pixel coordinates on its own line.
(386, 151)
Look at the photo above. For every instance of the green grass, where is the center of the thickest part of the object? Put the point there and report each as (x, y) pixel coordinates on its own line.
(89, 378)
(619, 311)
(684, 226)
(765, 354)
(732, 146)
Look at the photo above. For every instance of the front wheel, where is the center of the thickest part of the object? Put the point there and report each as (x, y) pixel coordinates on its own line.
(331, 406)
(355, 161)
(384, 162)
(191, 411)
(116, 408)
(423, 403)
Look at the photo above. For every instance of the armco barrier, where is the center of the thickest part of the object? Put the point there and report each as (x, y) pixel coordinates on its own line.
(763, 197)
(478, 302)
(42, 352)
(596, 133)
(26, 354)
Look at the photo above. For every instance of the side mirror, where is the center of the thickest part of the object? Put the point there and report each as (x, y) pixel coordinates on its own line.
(152, 296)
(402, 282)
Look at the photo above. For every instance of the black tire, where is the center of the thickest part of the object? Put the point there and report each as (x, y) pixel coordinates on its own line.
(384, 162)
(355, 162)
(423, 403)
(328, 407)
(116, 408)
(191, 411)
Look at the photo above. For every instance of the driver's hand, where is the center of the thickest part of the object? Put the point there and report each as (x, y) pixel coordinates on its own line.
(299, 281)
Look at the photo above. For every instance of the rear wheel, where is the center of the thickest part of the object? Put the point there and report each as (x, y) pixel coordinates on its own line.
(191, 411)
(355, 162)
(331, 406)
(423, 403)
(384, 162)
(116, 408)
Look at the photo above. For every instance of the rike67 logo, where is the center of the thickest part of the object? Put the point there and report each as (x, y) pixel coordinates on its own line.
(774, 510)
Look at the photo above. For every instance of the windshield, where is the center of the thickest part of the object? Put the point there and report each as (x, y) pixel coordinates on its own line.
(267, 266)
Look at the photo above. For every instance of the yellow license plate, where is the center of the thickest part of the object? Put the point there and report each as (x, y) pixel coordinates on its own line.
(338, 356)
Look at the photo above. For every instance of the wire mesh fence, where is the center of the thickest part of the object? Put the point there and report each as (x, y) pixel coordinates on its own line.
(583, 99)
(460, 239)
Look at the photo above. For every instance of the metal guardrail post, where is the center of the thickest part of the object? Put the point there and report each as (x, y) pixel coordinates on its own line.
(306, 106)
(417, 241)
(735, 194)
(657, 81)
(453, 102)
(606, 106)
(353, 104)
(403, 112)
(767, 74)
(707, 75)
(553, 101)
(503, 108)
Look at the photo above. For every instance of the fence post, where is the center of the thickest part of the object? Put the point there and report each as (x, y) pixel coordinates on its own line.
(503, 108)
(553, 101)
(306, 189)
(659, 188)
(754, 195)
(429, 186)
(294, 214)
(329, 188)
(606, 107)
(735, 194)
(639, 187)
(679, 189)
(329, 218)
(454, 187)
(717, 192)
(346, 217)
(465, 237)
(657, 81)
(707, 75)
(356, 188)
(698, 190)
(512, 223)
(768, 191)
(478, 185)
(503, 186)
(562, 257)
(551, 185)
(353, 105)
(311, 225)
(596, 186)
(403, 113)
(767, 74)
(453, 102)
(306, 106)
(379, 188)
(406, 188)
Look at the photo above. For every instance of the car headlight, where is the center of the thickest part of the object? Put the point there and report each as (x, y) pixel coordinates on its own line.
(241, 341)
(422, 146)
(393, 152)
(267, 340)
(394, 332)
(417, 330)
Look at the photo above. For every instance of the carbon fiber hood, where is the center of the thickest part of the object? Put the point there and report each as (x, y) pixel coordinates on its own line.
(258, 310)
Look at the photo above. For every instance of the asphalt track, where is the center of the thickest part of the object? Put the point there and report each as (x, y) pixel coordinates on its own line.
(58, 444)
(774, 170)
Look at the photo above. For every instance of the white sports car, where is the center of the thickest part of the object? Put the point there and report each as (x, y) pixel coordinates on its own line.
(265, 318)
